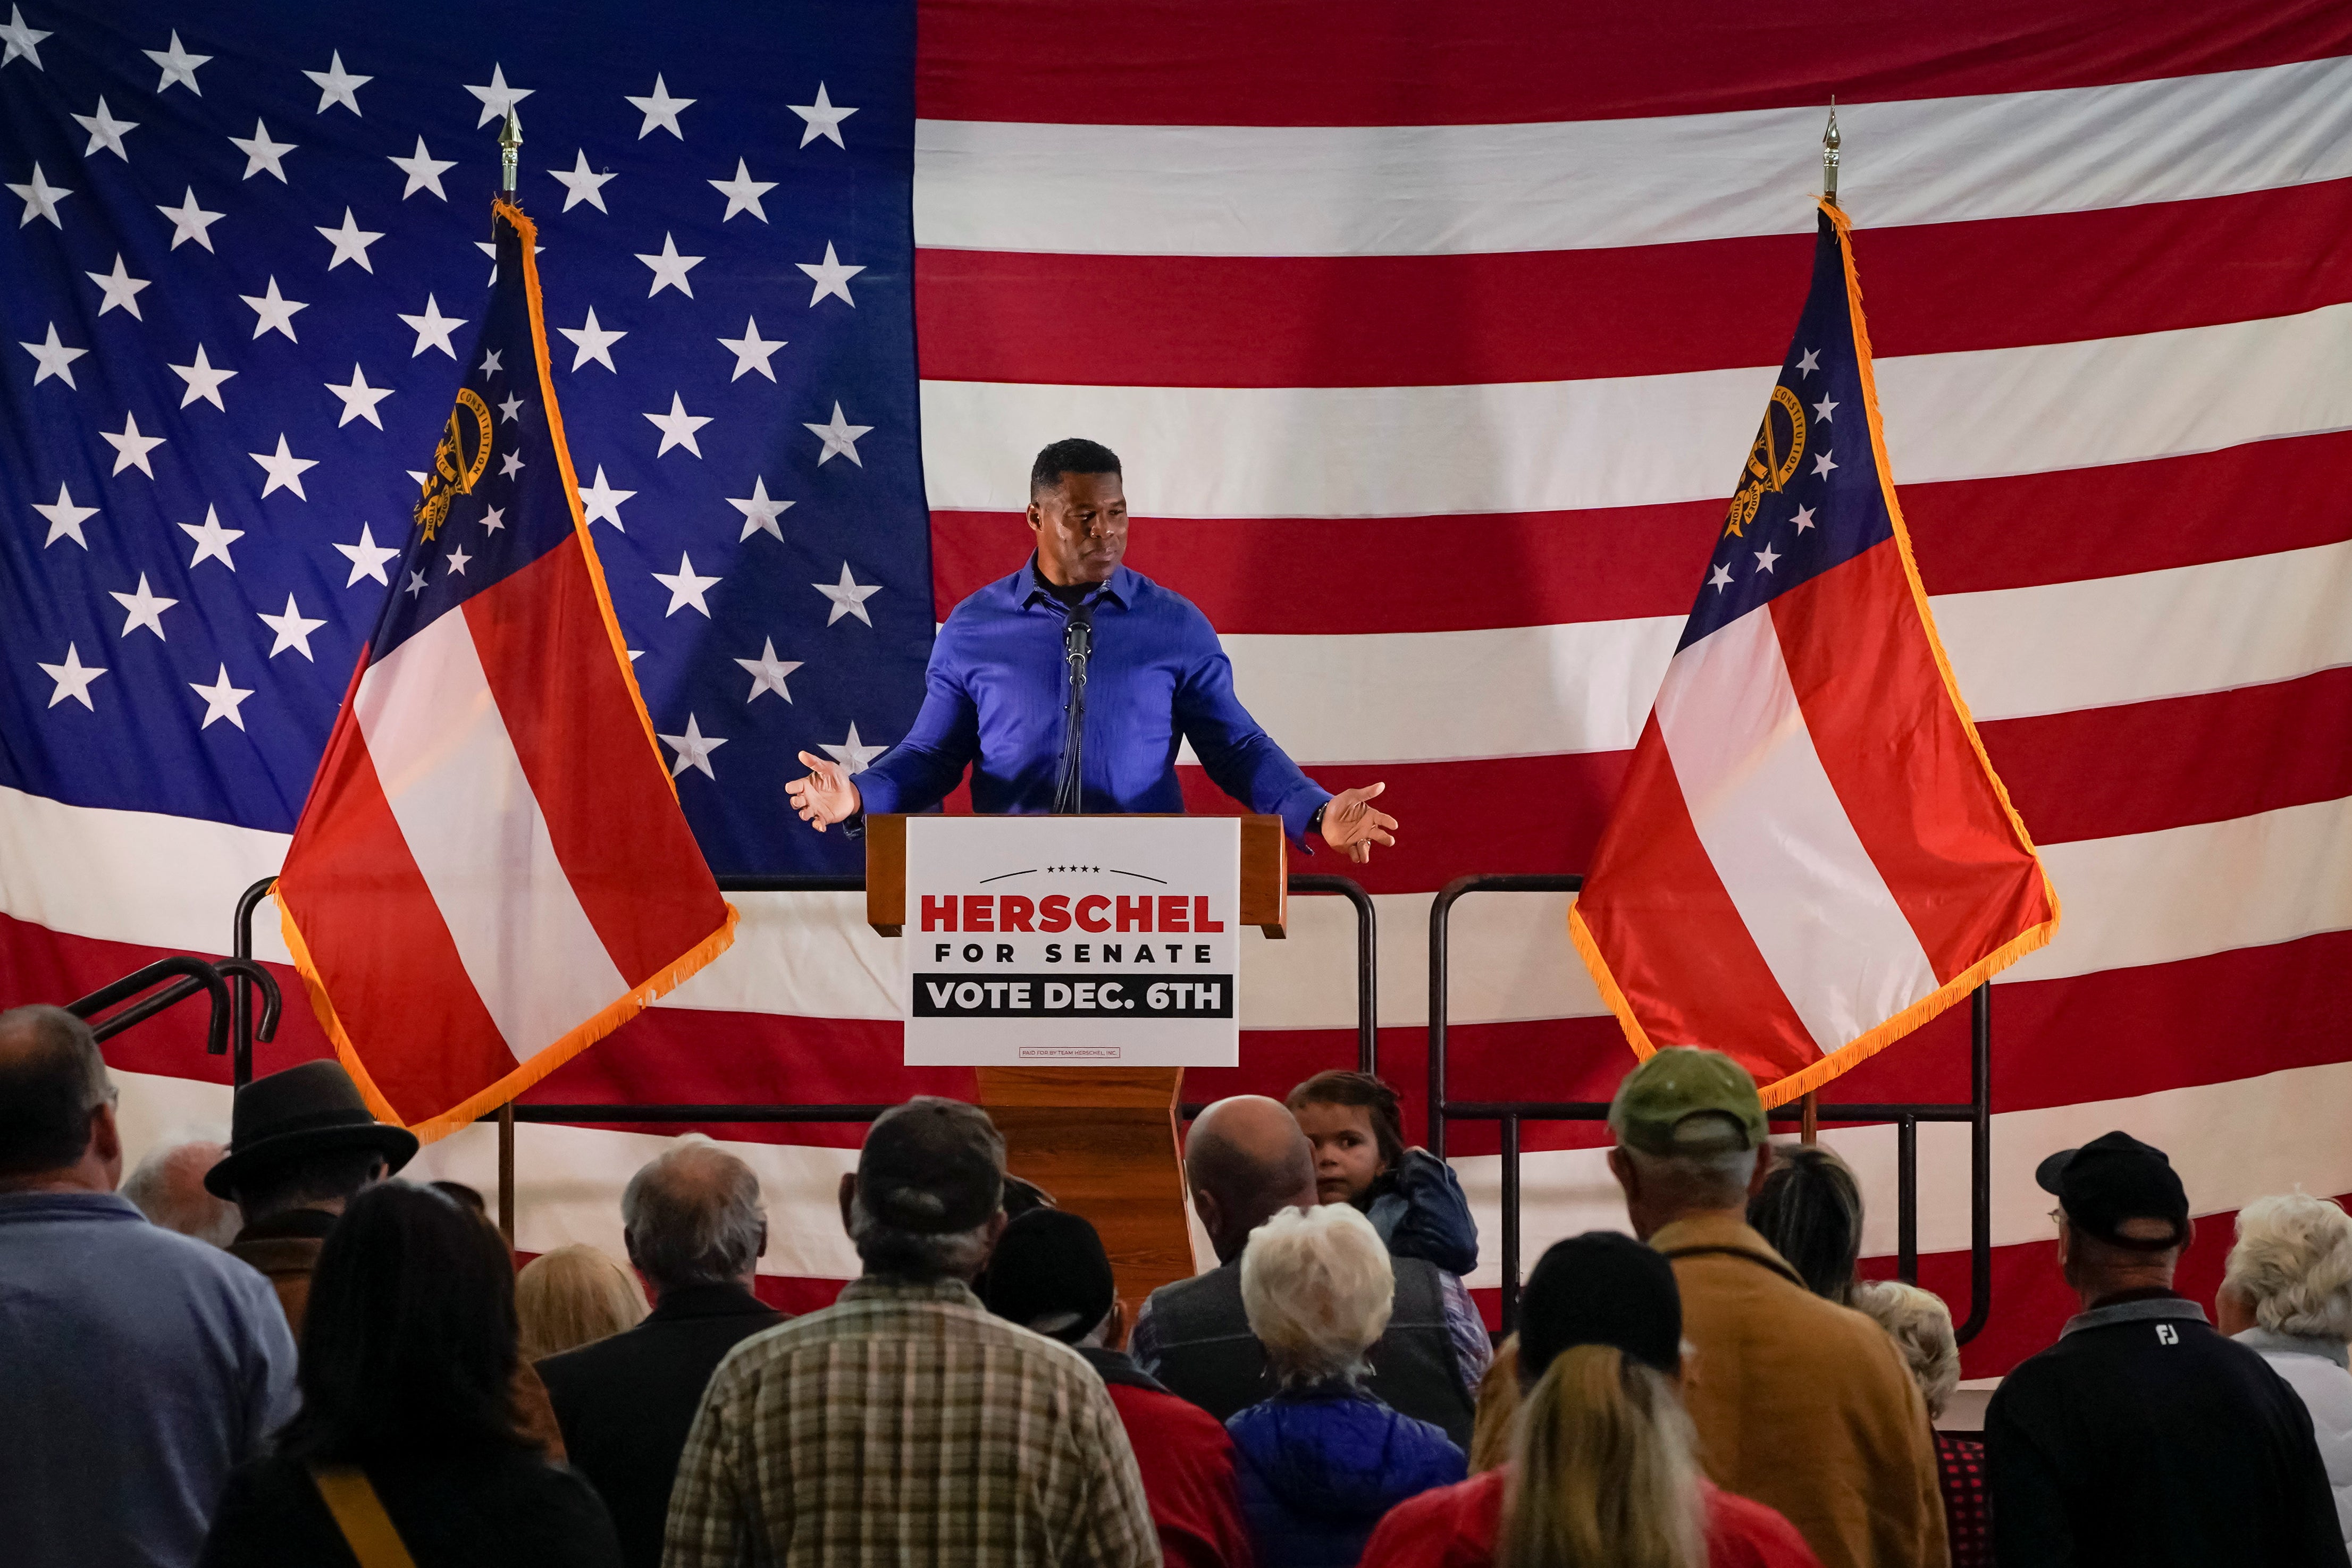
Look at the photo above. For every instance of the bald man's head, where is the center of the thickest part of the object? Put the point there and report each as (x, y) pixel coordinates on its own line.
(1246, 1161)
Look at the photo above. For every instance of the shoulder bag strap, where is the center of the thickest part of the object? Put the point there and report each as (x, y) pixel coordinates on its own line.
(358, 1514)
(1743, 1254)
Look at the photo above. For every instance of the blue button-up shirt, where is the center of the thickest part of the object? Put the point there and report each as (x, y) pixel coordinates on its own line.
(996, 694)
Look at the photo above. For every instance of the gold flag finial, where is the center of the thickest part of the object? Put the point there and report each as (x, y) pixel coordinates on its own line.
(1829, 143)
(509, 144)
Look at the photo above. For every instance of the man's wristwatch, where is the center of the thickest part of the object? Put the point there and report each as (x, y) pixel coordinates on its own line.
(1315, 823)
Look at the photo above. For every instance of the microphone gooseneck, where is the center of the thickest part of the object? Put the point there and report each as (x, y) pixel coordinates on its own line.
(1077, 648)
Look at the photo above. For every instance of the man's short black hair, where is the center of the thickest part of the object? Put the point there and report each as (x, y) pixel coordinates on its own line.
(1071, 454)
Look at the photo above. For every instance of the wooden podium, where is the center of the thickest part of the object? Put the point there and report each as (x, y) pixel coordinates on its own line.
(1103, 1141)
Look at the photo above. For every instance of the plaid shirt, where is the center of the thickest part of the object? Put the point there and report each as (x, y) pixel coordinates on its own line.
(906, 1427)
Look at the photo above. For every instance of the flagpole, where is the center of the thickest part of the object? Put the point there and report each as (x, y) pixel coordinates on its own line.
(509, 144)
(1829, 143)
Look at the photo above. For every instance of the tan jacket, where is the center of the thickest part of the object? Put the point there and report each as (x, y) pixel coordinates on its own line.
(1804, 1406)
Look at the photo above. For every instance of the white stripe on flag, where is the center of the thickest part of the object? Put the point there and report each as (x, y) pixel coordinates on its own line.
(1807, 890)
(464, 804)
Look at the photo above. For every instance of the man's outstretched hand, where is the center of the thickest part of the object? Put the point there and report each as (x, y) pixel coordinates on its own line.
(826, 795)
(1351, 826)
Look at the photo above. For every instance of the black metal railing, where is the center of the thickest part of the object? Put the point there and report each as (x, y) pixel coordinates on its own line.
(1907, 1116)
(189, 976)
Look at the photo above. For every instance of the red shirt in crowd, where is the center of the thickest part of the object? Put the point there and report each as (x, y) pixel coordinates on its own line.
(1968, 1511)
(1454, 1527)
(1187, 1463)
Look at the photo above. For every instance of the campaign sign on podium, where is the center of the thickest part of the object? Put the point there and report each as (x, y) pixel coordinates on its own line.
(1072, 941)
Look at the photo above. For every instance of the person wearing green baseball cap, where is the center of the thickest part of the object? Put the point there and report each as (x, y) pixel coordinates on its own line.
(1800, 1404)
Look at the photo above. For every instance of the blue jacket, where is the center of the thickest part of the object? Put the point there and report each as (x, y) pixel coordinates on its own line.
(1316, 1468)
(1419, 1210)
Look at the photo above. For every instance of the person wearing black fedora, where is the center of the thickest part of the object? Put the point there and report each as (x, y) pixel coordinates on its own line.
(301, 1144)
(2144, 1436)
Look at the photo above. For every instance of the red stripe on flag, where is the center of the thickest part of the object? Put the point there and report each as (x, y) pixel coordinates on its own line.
(616, 826)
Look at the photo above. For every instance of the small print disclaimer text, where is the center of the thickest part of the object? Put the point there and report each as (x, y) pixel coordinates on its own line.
(1060, 996)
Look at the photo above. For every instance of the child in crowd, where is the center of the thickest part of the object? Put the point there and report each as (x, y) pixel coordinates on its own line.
(1410, 1194)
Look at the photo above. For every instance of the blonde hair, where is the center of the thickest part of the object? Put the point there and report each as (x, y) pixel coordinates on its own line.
(2293, 1265)
(1920, 1324)
(1498, 1401)
(1603, 1474)
(1318, 1287)
(573, 1296)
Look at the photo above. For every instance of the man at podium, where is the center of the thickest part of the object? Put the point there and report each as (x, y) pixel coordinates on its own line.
(1069, 685)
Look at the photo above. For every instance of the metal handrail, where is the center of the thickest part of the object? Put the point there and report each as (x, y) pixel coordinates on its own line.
(1906, 1117)
(193, 975)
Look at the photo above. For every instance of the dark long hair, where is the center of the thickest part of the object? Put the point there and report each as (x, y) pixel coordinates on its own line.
(1337, 1086)
(1811, 1211)
(409, 1344)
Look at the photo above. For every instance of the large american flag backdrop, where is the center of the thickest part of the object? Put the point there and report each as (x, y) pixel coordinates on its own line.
(1429, 341)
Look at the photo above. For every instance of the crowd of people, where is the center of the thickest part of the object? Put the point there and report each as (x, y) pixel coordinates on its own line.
(277, 1351)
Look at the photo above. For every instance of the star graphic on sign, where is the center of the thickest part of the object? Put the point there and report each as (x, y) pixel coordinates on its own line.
(752, 351)
(179, 66)
(273, 312)
(511, 411)
(848, 597)
(212, 539)
(73, 678)
(1821, 410)
(743, 192)
(367, 558)
(677, 427)
(351, 243)
(293, 629)
(582, 184)
(55, 359)
(840, 438)
(490, 366)
(590, 341)
(64, 518)
(1721, 580)
(457, 560)
(261, 153)
(1822, 464)
(510, 465)
(189, 221)
(768, 672)
(854, 754)
(660, 110)
(21, 40)
(105, 132)
(284, 469)
(493, 519)
(1804, 519)
(130, 449)
(670, 268)
(684, 588)
(433, 329)
(760, 513)
(830, 276)
(1810, 363)
(221, 700)
(1765, 557)
(40, 199)
(601, 503)
(143, 608)
(121, 289)
(415, 584)
(337, 85)
(497, 98)
(359, 399)
(694, 749)
(423, 171)
(821, 118)
(204, 381)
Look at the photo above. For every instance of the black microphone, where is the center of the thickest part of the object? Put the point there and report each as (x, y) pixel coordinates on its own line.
(1077, 647)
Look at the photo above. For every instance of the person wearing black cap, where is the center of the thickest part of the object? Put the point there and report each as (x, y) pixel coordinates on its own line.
(1602, 1469)
(1050, 1274)
(2143, 1436)
(904, 1424)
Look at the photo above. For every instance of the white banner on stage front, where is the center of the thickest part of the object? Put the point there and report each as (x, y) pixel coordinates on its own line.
(1070, 941)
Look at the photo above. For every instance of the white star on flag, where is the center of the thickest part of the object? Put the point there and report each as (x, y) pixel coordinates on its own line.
(590, 341)
(582, 184)
(830, 276)
(204, 381)
(351, 243)
(25, 41)
(55, 359)
(751, 352)
(64, 518)
(1822, 464)
(73, 678)
(497, 98)
(272, 312)
(670, 268)
(179, 66)
(512, 409)
(854, 754)
(1804, 519)
(677, 427)
(367, 558)
(337, 85)
(1821, 410)
(660, 110)
(284, 469)
(40, 199)
(423, 171)
(293, 629)
(840, 438)
(1810, 363)
(760, 513)
(415, 584)
(1765, 557)
(359, 399)
(490, 366)
(143, 608)
(121, 289)
(1721, 580)
(105, 132)
(212, 539)
(457, 560)
(685, 586)
(510, 465)
(261, 153)
(694, 749)
(768, 672)
(190, 222)
(601, 503)
(821, 118)
(432, 329)
(130, 449)
(743, 192)
(848, 597)
(493, 519)
(221, 700)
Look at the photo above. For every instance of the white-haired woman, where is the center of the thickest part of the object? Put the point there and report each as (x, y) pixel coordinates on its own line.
(1921, 1326)
(1319, 1462)
(2286, 1292)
